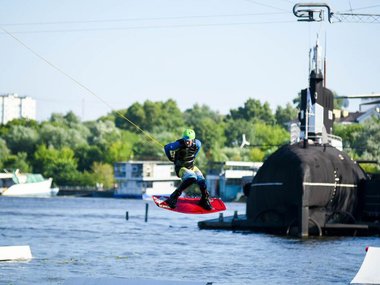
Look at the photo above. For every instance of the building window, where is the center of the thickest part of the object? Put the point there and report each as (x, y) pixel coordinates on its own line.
(233, 181)
(137, 170)
(120, 170)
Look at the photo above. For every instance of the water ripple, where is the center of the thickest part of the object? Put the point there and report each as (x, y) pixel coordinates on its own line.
(75, 237)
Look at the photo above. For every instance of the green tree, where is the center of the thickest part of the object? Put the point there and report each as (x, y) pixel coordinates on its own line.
(59, 164)
(361, 141)
(107, 145)
(285, 115)
(18, 161)
(59, 136)
(198, 112)
(103, 174)
(71, 119)
(268, 138)
(253, 110)
(102, 133)
(28, 123)
(168, 136)
(86, 155)
(153, 115)
(21, 139)
(53, 135)
(267, 135)
(121, 149)
(161, 116)
(171, 117)
(209, 128)
(211, 134)
(57, 119)
(369, 139)
(4, 152)
(234, 131)
(134, 113)
(150, 117)
(145, 149)
(86, 178)
(232, 153)
(256, 154)
(350, 135)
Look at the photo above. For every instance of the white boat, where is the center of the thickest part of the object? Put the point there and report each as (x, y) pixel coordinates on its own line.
(17, 184)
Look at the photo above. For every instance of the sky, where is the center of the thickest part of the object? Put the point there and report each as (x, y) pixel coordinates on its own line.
(94, 56)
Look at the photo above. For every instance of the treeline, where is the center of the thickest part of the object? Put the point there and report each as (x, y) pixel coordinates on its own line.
(362, 142)
(83, 153)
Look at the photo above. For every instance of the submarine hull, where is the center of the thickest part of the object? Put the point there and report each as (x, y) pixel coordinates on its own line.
(303, 189)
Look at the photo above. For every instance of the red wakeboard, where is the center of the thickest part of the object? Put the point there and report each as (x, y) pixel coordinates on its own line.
(190, 205)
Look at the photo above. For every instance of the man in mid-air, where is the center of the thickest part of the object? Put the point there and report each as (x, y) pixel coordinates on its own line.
(182, 153)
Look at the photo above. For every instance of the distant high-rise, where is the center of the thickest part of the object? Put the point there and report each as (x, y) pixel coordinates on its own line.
(13, 106)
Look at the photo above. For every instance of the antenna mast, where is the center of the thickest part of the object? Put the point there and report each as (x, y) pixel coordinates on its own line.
(325, 64)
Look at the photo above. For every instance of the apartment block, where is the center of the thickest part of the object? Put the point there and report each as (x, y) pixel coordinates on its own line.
(13, 106)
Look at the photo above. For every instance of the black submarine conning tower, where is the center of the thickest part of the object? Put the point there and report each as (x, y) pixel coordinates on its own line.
(317, 102)
(308, 187)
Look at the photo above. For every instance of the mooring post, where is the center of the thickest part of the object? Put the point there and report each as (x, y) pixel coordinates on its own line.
(127, 215)
(303, 230)
(146, 212)
(235, 215)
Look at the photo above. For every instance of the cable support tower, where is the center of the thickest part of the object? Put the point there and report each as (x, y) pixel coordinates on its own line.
(315, 12)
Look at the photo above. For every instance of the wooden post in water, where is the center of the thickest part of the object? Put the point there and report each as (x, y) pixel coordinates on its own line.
(146, 212)
(127, 215)
(221, 217)
(235, 217)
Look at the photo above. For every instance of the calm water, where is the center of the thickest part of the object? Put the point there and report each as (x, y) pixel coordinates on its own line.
(78, 237)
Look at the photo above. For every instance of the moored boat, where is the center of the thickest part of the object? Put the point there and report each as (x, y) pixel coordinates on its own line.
(26, 184)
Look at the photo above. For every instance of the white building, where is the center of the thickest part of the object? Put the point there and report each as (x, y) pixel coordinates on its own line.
(142, 179)
(13, 106)
(227, 179)
(344, 117)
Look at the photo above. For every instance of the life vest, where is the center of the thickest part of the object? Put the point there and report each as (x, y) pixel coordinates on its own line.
(185, 155)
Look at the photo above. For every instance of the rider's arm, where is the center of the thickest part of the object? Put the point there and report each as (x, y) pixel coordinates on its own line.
(199, 145)
(171, 147)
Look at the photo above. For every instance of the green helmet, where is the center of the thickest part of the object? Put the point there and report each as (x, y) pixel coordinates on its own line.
(188, 134)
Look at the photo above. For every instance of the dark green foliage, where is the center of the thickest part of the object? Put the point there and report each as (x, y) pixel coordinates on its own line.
(234, 131)
(285, 115)
(17, 161)
(21, 139)
(349, 134)
(150, 117)
(144, 149)
(362, 141)
(88, 155)
(60, 164)
(76, 153)
(253, 110)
